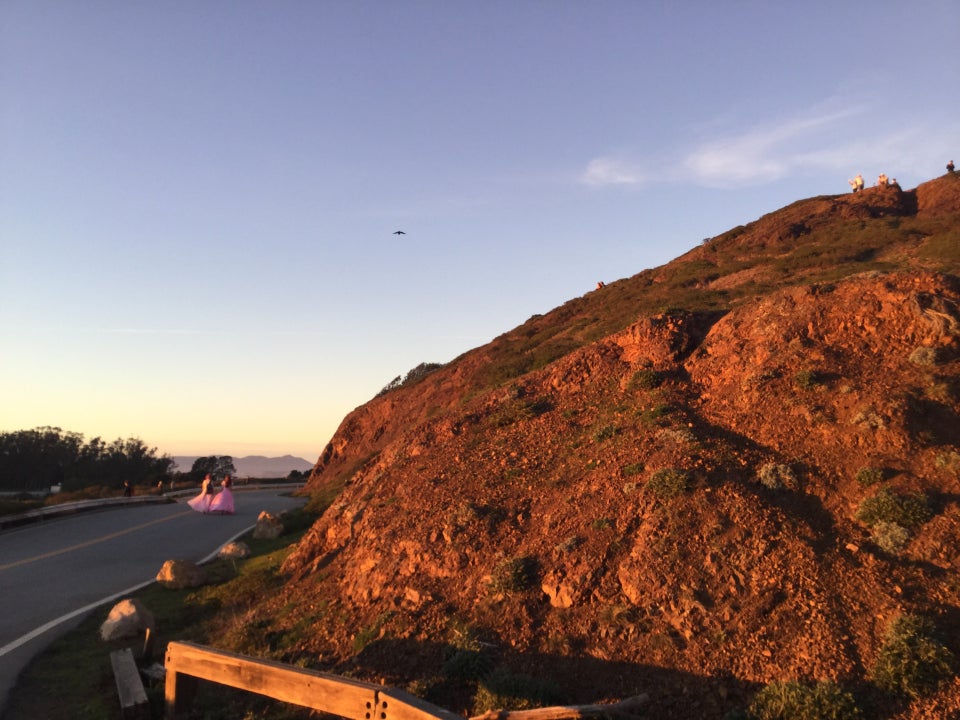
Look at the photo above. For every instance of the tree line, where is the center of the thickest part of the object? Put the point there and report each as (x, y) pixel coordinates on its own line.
(38, 459)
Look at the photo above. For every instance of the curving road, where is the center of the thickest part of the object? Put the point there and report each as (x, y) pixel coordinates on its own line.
(52, 573)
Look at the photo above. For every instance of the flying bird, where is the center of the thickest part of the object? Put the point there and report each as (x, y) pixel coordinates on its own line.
(399, 232)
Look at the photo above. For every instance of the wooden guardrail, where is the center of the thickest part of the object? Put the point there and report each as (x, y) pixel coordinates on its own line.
(130, 690)
(186, 663)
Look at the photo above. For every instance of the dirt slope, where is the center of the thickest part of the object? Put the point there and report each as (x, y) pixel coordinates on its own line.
(659, 487)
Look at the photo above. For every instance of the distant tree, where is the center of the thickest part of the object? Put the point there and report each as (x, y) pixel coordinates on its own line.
(216, 465)
(35, 460)
(415, 374)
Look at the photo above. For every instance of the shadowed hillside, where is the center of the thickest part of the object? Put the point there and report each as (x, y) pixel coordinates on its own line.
(738, 468)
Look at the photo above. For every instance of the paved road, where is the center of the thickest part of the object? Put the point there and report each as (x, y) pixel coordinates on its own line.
(53, 573)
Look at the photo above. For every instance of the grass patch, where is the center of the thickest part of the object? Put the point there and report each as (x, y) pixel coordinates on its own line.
(607, 432)
(776, 476)
(867, 476)
(601, 524)
(19, 504)
(796, 701)
(925, 356)
(654, 415)
(890, 537)
(371, 632)
(807, 379)
(912, 662)
(908, 511)
(668, 483)
(515, 575)
(646, 379)
(506, 690)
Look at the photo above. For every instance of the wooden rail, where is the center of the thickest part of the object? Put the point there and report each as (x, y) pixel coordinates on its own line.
(130, 690)
(186, 663)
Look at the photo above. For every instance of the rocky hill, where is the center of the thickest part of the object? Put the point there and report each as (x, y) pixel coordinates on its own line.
(739, 468)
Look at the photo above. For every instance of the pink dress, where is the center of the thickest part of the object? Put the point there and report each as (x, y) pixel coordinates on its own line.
(201, 503)
(222, 501)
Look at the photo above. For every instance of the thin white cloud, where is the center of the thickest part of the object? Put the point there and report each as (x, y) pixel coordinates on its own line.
(769, 152)
(149, 331)
(611, 171)
(832, 138)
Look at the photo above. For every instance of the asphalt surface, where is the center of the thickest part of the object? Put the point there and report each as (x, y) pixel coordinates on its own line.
(56, 571)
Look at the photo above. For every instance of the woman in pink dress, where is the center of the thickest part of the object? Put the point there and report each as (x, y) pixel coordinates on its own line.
(201, 503)
(223, 501)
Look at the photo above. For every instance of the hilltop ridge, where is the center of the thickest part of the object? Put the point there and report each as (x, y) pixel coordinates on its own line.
(663, 486)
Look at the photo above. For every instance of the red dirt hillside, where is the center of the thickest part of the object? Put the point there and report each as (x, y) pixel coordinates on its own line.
(738, 468)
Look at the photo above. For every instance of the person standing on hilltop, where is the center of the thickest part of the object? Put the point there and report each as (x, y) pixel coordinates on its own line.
(857, 183)
(950, 166)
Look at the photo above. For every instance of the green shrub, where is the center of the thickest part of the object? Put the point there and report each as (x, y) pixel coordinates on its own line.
(655, 414)
(515, 574)
(606, 432)
(909, 511)
(504, 690)
(925, 356)
(468, 665)
(868, 476)
(796, 701)
(807, 379)
(948, 460)
(646, 379)
(411, 378)
(633, 469)
(912, 661)
(463, 636)
(890, 537)
(373, 631)
(571, 543)
(601, 524)
(668, 482)
(776, 476)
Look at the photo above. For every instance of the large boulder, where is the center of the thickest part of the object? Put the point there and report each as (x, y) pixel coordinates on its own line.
(128, 618)
(268, 527)
(234, 551)
(180, 574)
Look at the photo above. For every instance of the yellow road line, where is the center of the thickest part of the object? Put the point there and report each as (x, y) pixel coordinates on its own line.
(88, 543)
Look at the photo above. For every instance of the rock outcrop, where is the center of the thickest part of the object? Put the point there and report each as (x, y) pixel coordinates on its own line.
(660, 486)
(180, 574)
(128, 618)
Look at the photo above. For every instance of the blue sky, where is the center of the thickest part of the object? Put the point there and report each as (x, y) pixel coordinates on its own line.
(198, 199)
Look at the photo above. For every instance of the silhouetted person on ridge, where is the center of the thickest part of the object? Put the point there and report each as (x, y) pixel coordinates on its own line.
(950, 166)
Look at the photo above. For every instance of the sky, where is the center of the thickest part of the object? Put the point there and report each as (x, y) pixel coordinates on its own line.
(198, 198)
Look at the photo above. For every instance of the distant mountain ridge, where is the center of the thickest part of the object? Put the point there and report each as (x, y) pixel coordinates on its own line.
(258, 466)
